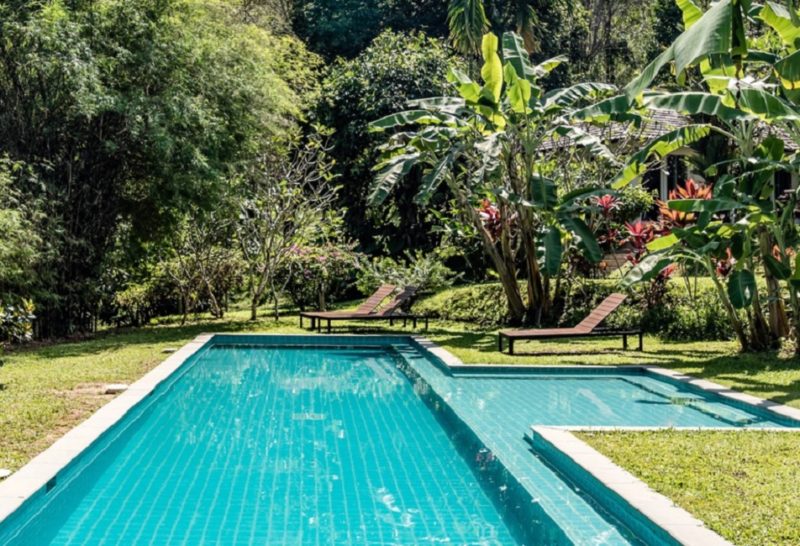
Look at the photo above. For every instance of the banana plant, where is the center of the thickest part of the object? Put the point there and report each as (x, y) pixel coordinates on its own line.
(747, 96)
(492, 141)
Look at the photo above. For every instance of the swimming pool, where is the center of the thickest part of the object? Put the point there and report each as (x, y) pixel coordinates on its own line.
(369, 440)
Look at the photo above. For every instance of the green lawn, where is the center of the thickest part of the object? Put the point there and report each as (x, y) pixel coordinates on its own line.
(46, 390)
(743, 485)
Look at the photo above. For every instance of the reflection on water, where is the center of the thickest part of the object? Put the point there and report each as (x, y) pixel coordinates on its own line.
(276, 446)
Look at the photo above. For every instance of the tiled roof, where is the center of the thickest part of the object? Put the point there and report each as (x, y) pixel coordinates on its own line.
(659, 123)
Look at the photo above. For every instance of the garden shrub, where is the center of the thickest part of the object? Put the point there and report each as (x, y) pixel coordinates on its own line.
(484, 304)
(316, 274)
(427, 272)
(634, 202)
(136, 303)
(16, 321)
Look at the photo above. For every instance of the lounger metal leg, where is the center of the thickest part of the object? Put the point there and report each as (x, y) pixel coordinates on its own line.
(329, 326)
(391, 322)
(499, 343)
(414, 322)
(624, 342)
(511, 346)
(301, 321)
(405, 321)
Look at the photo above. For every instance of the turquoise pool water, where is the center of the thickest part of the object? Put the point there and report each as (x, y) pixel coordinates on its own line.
(277, 446)
(372, 445)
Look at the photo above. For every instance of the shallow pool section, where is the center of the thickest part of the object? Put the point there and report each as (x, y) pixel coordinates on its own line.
(290, 445)
(500, 405)
(594, 397)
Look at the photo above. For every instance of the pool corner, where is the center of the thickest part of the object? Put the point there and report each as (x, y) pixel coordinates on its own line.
(589, 468)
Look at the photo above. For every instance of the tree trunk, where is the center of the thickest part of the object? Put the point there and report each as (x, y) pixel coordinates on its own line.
(538, 300)
(185, 304)
(761, 337)
(274, 294)
(506, 272)
(253, 309)
(736, 323)
(216, 310)
(505, 269)
(795, 303)
(778, 320)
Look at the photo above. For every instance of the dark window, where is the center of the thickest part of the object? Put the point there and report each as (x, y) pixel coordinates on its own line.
(783, 183)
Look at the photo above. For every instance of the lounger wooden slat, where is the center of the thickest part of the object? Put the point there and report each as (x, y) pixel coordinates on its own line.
(372, 302)
(370, 305)
(588, 327)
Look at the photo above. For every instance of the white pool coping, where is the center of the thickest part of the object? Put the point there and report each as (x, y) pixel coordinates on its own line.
(677, 522)
(36, 474)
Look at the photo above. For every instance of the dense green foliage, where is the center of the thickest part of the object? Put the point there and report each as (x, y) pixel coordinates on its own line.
(126, 113)
(157, 157)
(346, 27)
(394, 69)
(677, 314)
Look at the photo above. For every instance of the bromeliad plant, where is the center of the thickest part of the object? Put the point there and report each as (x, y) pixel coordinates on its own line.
(746, 95)
(489, 147)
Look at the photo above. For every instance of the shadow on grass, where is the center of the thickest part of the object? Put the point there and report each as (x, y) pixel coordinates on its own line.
(758, 373)
(109, 340)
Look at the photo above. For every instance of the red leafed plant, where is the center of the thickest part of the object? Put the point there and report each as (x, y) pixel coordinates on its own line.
(639, 234)
(491, 218)
(690, 190)
(606, 203)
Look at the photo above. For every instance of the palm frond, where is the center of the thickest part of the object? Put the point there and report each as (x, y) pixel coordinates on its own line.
(468, 23)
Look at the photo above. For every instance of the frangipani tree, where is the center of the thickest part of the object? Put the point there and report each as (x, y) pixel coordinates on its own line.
(490, 143)
(748, 96)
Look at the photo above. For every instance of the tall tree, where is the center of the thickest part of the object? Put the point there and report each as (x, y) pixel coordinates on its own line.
(284, 203)
(128, 111)
(394, 69)
(490, 147)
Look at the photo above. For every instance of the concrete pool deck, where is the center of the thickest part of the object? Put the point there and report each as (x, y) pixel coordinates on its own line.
(39, 475)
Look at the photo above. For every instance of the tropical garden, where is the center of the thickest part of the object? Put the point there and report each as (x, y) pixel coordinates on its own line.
(175, 166)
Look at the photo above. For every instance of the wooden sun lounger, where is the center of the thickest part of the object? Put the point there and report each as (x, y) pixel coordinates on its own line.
(391, 311)
(588, 327)
(370, 305)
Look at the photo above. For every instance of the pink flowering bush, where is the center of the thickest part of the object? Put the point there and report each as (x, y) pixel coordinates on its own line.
(315, 274)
